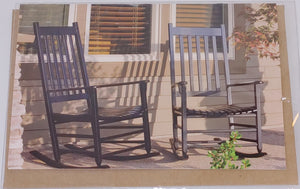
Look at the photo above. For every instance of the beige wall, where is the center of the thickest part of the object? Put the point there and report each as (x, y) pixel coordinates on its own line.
(35, 123)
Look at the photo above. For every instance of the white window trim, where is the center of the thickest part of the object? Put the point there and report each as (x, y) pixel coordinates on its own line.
(72, 14)
(155, 41)
(231, 49)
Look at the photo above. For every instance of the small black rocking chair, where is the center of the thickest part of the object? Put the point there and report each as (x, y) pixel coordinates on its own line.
(64, 79)
(197, 49)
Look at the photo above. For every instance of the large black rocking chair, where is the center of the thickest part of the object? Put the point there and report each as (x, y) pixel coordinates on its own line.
(202, 45)
(64, 79)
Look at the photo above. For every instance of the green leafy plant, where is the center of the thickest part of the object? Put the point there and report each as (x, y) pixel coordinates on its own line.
(225, 156)
(261, 35)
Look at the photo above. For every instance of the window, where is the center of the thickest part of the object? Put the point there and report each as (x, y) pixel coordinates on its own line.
(121, 32)
(46, 15)
(201, 15)
(205, 15)
(113, 27)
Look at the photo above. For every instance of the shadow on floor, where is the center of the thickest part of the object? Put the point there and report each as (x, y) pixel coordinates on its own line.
(273, 145)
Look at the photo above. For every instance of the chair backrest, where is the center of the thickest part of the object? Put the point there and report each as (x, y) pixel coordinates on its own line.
(198, 49)
(61, 62)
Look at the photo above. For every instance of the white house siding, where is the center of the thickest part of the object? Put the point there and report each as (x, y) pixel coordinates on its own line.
(159, 100)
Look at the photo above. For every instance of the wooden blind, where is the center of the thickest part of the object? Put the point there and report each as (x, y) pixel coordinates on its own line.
(201, 15)
(120, 29)
(45, 14)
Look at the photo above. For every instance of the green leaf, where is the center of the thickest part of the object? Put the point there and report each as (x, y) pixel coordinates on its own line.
(225, 155)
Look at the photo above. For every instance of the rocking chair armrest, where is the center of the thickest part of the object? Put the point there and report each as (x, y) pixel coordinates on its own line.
(245, 83)
(181, 83)
(181, 87)
(257, 89)
(142, 86)
(120, 84)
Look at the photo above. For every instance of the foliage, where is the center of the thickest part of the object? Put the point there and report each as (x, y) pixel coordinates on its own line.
(225, 155)
(262, 34)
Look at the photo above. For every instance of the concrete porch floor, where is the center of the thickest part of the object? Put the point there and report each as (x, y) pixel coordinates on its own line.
(273, 145)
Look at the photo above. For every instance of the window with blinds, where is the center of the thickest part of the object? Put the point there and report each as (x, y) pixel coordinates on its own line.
(46, 15)
(201, 15)
(120, 29)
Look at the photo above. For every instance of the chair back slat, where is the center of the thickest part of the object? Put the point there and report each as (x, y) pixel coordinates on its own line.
(200, 46)
(48, 77)
(75, 63)
(54, 49)
(216, 66)
(181, 45)
(66, 41)
(207, 65)
(198, 49)
(191, 63)
(61, 62)
(226, 65)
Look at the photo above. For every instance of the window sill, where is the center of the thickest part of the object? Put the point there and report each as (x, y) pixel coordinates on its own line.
(122, 58)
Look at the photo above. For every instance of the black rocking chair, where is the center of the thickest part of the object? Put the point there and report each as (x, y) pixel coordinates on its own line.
(205, 82)
(64, 79)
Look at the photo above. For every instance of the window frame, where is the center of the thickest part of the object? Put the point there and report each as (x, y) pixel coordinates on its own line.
(155, 40)
(231, 47)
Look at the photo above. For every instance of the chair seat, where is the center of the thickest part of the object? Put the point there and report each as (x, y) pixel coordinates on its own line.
(218, 111)
(120, 113)
(105, 114)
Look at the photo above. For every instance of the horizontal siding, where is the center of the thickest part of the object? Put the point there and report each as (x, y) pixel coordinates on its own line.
(33, 122)
(159, 101)
(39, 134)
(156, 87)
(34, 108)
(114, 70)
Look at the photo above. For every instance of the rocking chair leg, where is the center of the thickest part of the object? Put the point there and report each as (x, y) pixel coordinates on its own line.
(182, 154)
(231, 122)
(184, 137)
(146, 132)
(175, 130)
(258, 133)
(143, 88)
(95, 127)
(258, 118)
(97, 143)
(54, 140)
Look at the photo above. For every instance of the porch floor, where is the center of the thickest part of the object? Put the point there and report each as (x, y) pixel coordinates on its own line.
(273, 145)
